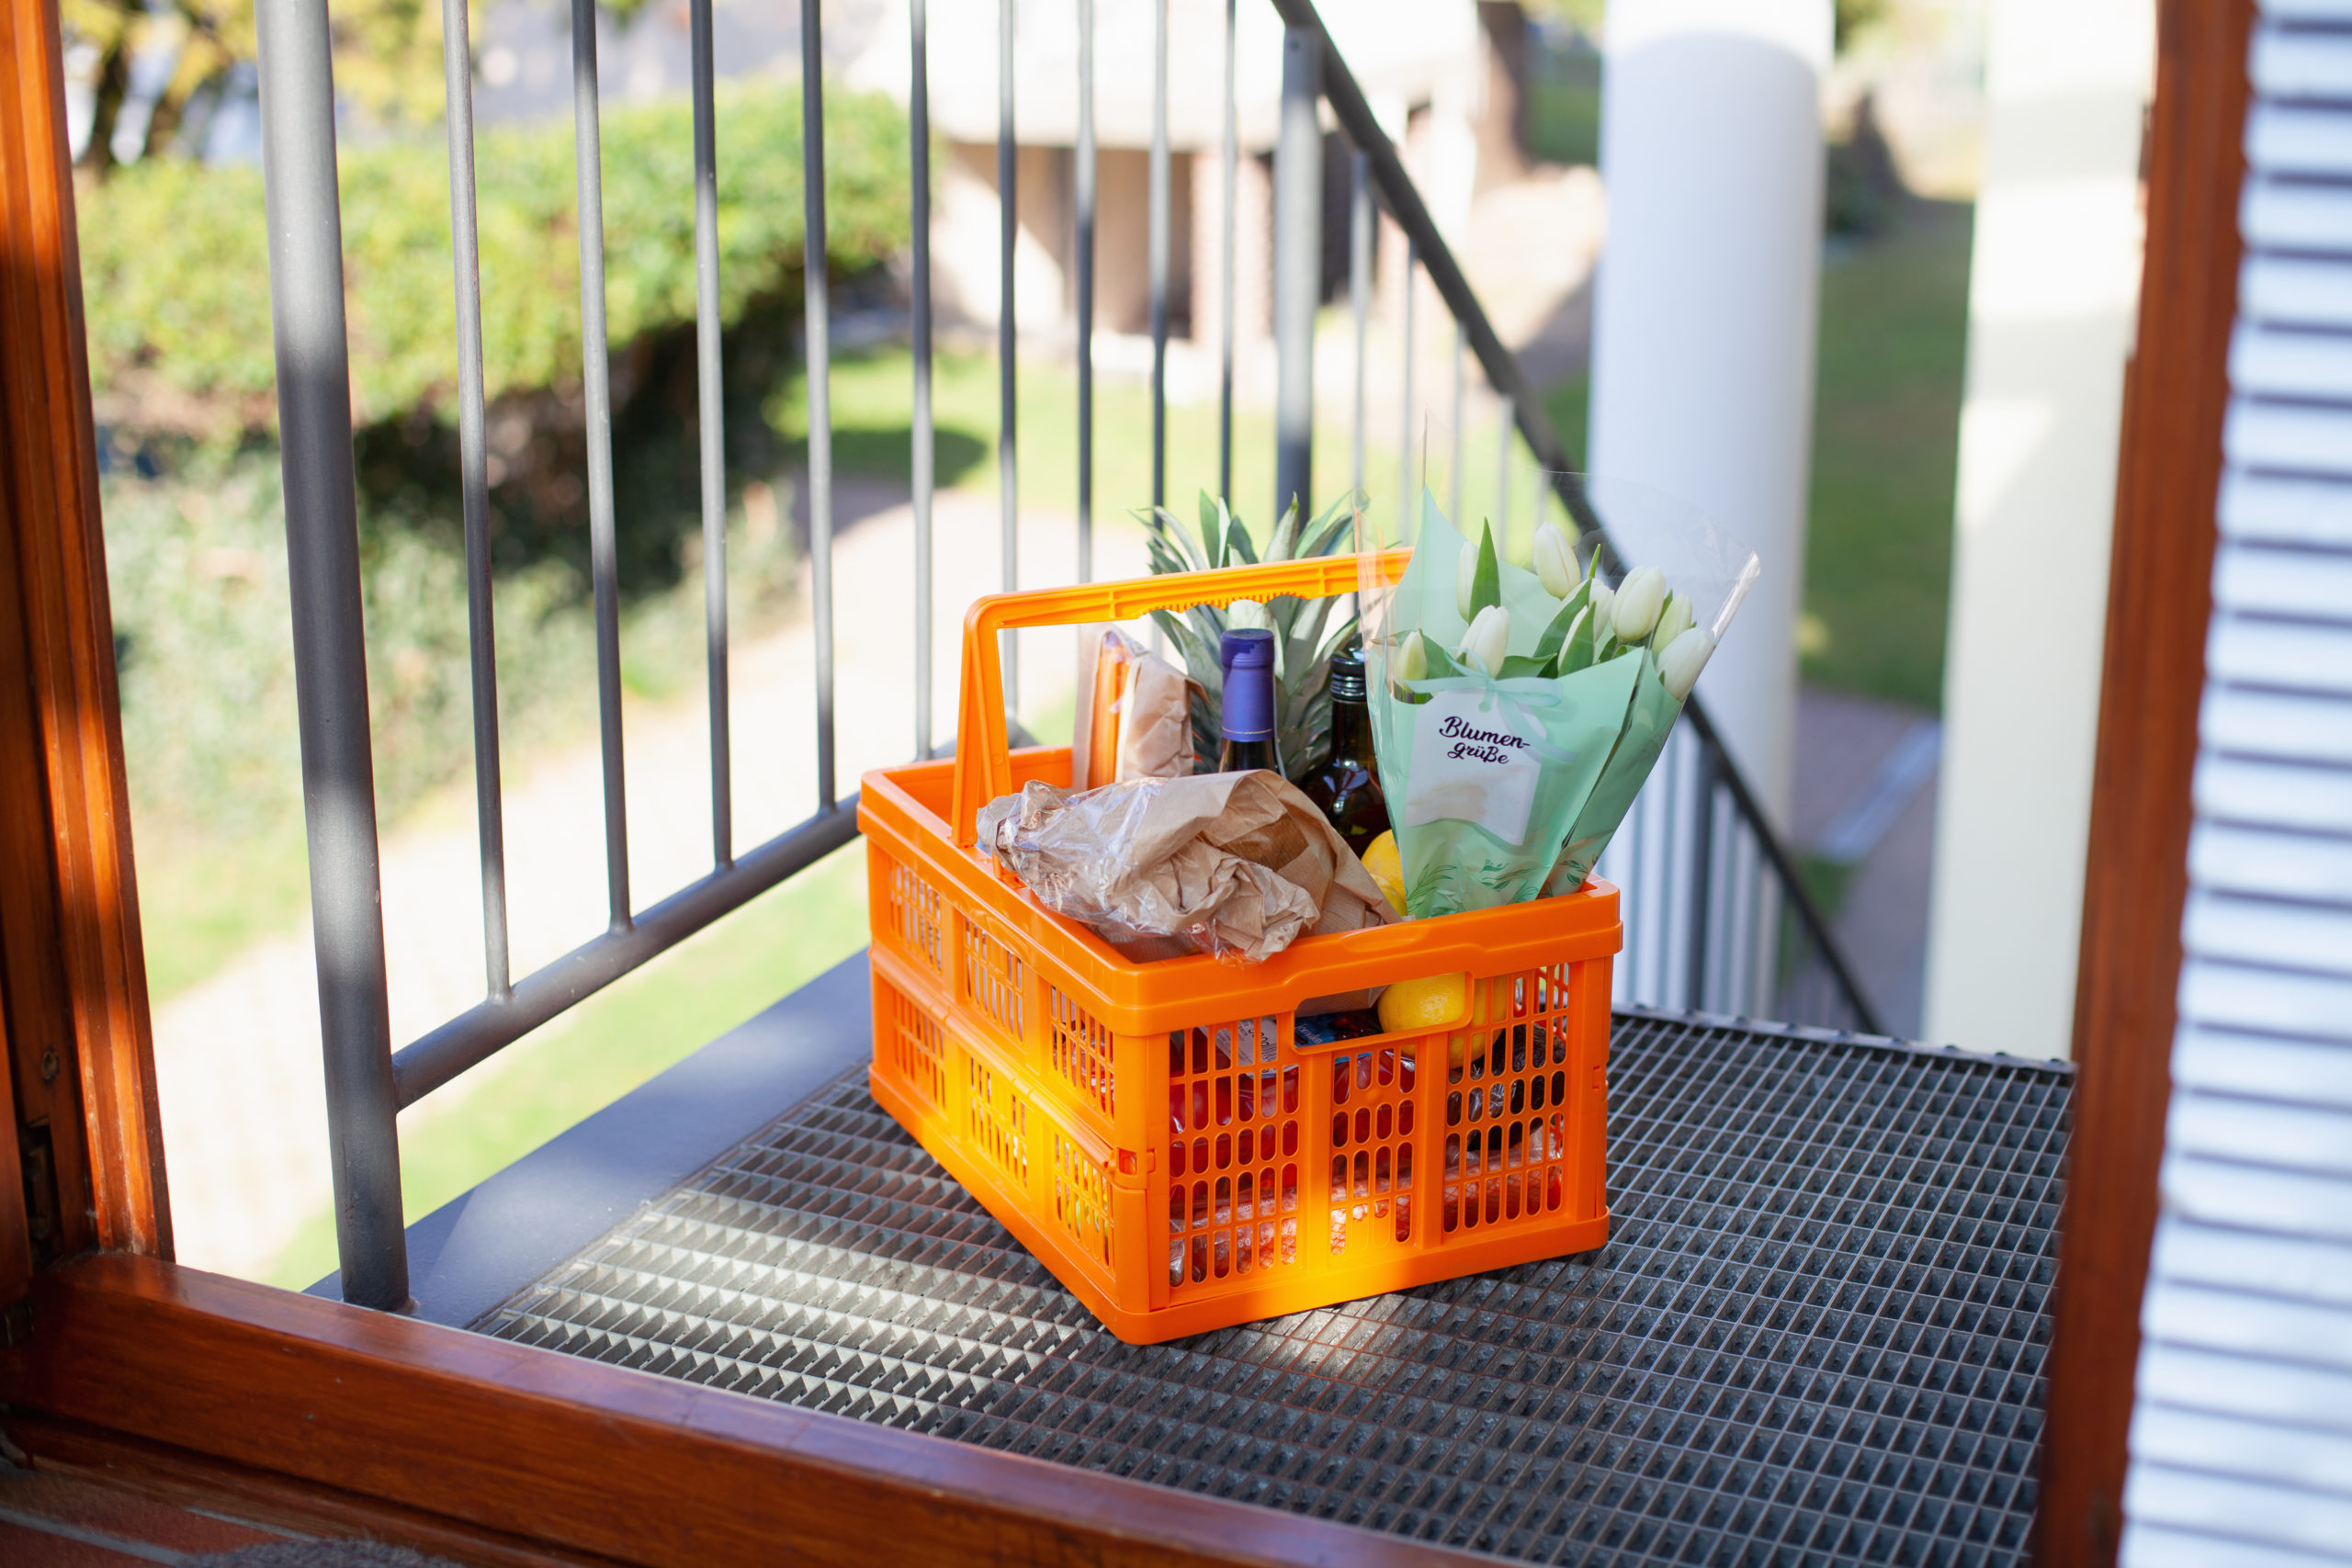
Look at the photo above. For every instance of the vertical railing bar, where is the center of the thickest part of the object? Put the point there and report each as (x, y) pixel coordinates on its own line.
(919, 137)
(1720, 932)
(1461, 377)
(1007, 329)
(473, 481)
(1085, 203)
(1298, 268)
(1739, 912)
(1503, 433)
(1359, 296)
(711, 409)
(1229, 152)
(596, 377)
(817, 303)
(1667, 782)
(1407, 512)
(1702, 867)
(1625, 850)
(1630, 906)
(1159, 240)
(313, 359)
(1007, 332)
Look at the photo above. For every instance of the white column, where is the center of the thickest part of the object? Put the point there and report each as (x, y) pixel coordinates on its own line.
(1704, 310)
(2051, 295)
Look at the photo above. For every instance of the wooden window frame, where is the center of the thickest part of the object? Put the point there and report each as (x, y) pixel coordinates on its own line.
(2136, 871)
(72, 976)
(126, 1366)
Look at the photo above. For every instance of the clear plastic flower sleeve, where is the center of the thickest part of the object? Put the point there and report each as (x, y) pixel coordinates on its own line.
(1519, 696)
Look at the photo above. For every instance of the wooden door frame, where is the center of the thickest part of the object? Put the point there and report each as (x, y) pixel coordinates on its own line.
(439, 1436)
(123, 1350)
(2136, 871)
(72, 969)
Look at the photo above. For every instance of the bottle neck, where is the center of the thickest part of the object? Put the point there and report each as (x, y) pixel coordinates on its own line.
(1248, 719)
(1248, 756)
(1350, 730)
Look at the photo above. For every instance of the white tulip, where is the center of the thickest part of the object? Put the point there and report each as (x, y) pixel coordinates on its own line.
(1604, 607)
(1639, 599)
(1465, 573)
(1680, 665)
(1488, 639)
(1412, 660)
(1555, 562)
(1672, 621)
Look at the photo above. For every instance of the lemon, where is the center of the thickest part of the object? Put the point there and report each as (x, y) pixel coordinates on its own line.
(1387, 869)
(1430, 1003)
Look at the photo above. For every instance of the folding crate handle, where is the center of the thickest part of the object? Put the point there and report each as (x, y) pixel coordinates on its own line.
(983, 765)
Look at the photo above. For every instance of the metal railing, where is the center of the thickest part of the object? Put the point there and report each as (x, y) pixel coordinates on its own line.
(1726, 916)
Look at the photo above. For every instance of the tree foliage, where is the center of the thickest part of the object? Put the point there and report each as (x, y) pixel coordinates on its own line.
(387, 58)
(174, 255)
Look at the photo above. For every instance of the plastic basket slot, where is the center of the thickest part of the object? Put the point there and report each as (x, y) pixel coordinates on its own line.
(997, 1120)
(1233, 1157)
(918, 916)
(1081, 1051)
(1082, 1197)
(914, 1051)
(1510, 1105)
(995, 980)
(1375, 1129)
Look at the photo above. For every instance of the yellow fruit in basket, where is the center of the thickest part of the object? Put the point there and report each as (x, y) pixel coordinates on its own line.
(1429, 1003)
(1387, 869)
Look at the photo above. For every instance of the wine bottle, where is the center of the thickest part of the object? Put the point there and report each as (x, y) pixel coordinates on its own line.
(1247, 720)
(1346, 783)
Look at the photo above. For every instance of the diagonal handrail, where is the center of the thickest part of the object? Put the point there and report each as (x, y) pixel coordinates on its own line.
(1403, 199)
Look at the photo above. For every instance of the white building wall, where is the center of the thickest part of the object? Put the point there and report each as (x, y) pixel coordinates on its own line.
(2052, 291)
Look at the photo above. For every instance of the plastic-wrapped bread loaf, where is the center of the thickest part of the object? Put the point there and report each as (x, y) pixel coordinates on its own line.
(1237, 865)
(1136, 718)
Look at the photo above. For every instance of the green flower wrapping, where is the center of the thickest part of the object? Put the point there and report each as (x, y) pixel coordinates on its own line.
(1513, 726)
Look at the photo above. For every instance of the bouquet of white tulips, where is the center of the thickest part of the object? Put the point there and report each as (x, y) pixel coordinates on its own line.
(1515, 711)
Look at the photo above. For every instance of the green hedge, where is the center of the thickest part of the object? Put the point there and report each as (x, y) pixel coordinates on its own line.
(174, 258)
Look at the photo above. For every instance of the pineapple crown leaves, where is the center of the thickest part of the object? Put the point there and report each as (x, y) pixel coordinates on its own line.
(1304, 635)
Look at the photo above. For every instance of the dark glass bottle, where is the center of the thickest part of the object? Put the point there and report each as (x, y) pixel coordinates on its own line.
(1248, 719)
(1346, 783)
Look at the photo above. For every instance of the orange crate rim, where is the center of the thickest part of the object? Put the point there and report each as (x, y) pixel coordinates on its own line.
(1159, 1134)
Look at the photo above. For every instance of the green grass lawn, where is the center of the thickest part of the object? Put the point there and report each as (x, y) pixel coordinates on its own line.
(1894, 353)
(1885, 455)
(200, 903)
(1564, 107)
(871, 393)
(608, 1045)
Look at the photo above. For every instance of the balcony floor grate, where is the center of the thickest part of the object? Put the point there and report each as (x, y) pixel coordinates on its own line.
(1816, 1333)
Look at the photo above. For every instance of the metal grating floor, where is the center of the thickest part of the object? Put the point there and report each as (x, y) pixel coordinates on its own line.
(1815, 1336)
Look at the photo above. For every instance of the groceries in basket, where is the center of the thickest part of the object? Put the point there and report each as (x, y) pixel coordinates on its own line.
(1518, 710)
(1138, 717)
(1236, 865)
(1192, 1144)
(1306, 631)
(1238, 862)
(1479, 750)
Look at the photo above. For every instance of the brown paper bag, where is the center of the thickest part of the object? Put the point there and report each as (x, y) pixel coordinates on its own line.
(1135, 715)
(1236, 865)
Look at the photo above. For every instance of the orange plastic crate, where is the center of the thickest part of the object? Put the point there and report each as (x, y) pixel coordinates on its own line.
(1155, 1133)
